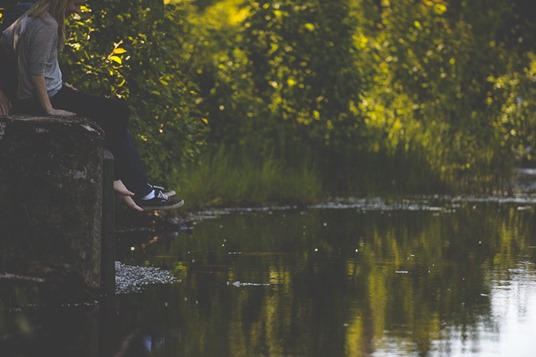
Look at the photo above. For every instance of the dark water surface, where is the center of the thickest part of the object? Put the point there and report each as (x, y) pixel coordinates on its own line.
(368, 278)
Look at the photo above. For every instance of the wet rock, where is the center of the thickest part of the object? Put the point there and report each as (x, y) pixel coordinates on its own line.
(132, 279)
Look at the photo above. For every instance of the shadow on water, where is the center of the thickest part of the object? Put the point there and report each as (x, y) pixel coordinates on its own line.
(421, 277)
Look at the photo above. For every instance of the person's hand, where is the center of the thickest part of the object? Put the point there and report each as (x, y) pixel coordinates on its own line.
(5, 104)
(60, 113)
(125, 195)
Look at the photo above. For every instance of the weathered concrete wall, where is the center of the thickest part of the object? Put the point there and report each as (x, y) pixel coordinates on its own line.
(51, 197)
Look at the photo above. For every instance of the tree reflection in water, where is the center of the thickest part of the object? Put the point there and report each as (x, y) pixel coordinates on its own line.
(357, 281)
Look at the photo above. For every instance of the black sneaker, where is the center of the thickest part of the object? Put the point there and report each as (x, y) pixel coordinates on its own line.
(159, 202)
(168, 193)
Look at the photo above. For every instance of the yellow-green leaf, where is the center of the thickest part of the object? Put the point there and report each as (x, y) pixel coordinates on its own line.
(116, 59)
(440, 9)
(119, 50)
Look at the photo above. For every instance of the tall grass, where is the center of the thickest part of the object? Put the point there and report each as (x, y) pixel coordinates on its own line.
(240, 177)
(231, 178)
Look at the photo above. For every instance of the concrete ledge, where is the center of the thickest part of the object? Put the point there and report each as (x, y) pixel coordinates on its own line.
(51, 197)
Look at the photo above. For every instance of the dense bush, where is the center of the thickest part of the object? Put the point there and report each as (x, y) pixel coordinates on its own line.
(415, 85)
(404, 95)
(141, 51)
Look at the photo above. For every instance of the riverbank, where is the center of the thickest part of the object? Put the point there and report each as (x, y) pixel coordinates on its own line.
(228, 178)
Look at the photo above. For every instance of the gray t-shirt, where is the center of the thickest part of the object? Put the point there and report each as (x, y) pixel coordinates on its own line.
(35, 41)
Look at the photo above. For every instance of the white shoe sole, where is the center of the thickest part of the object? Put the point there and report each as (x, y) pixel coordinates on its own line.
(163, 208)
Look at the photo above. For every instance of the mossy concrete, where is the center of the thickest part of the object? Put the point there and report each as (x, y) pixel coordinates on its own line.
(51, 172)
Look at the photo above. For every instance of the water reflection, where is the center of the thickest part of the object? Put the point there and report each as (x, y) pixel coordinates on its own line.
(447, 279)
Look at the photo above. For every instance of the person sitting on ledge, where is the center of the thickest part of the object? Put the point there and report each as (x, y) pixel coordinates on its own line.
(36, 38)
(8, 75)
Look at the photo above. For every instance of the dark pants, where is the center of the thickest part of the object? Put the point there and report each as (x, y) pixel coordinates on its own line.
(112, 116)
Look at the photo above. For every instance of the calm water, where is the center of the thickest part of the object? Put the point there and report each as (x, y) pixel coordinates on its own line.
(370, 278)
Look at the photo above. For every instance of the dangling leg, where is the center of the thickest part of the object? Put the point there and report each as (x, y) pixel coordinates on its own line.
(112, 115)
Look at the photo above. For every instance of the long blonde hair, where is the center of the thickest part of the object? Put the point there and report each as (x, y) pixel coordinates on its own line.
(56, 8)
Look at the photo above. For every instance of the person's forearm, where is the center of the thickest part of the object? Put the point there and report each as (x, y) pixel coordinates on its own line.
(44, 100)
(41, 91)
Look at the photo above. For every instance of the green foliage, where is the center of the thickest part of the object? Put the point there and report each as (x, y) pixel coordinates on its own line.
(229, 177)
(303, 58)
(407, 82)
(124, 49)
(513, 101)
(389, 95)
(431, 85)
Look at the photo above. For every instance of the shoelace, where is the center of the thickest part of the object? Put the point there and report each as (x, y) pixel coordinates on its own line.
(161, 195)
